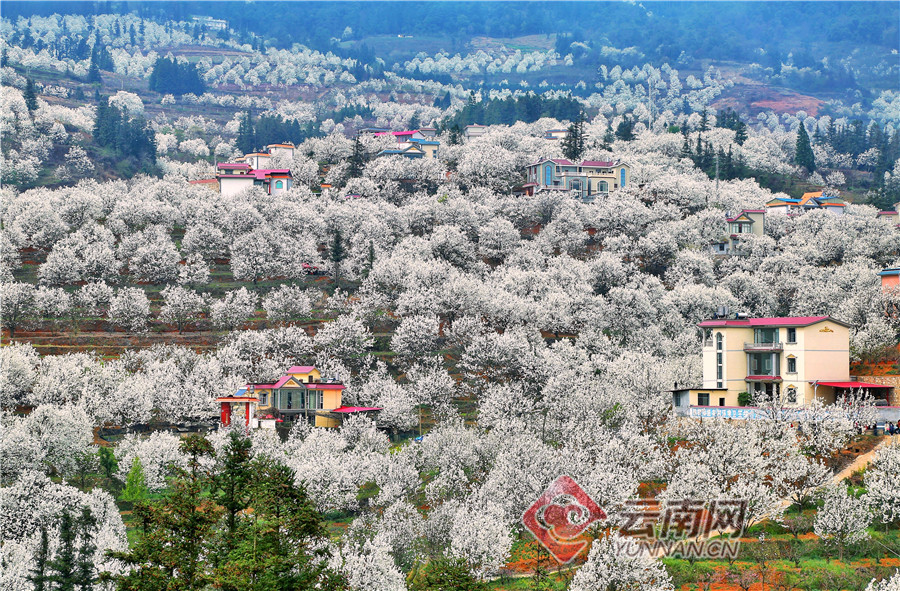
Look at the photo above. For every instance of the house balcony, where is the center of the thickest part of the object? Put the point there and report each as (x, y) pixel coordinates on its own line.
(763, 347)
(763, 378)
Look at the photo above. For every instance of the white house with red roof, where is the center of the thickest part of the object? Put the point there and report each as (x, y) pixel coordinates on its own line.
(235, 177)
(797, 358)
(587, 178)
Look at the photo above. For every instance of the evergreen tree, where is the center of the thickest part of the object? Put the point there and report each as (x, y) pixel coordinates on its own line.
(135, 483)
(85, 571)
(686, 151)
(357, 159)
(108, 462)
(449, 574)
(704, 122)
(38, 574)
(232, 483)
(804, 156)
(455, 135)
(625, 129)
(246, 139)
(573, 145)
(62, 569)
(608, 139)
(174, 534)
(740, 134)
(30, 95)
(336, 254)
(279, 545)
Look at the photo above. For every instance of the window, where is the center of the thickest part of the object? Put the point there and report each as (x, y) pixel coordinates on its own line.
(719, 341)
(314, 400)
(792, 394)
(290, 400)
(791, 365)
(603, 187)
(792, 335)
(721, 402)
(718, 366)
(263, 399)
(703, 399)
(279, 185)
(622, 177)
(765, 335)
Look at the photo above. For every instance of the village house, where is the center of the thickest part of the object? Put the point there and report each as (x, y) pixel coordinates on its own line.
(809, 201)
(890, 279)
(556, 134)
(749, 221)
(474, 130)
(796, 358)
(410, 144)
(300, 394)
(587, 179)
(235, 177)
(891, 216)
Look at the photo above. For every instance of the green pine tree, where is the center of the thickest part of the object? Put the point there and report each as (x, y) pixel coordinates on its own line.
(336, 254)
(174, 534)
(357, 159)
(62, 569)
(625, 129)
(30, 95)
(246, 139)
(231, 484)
(85, 570)
(740, 134)
(608, 139)
(38, 574)
(108, 462)
(804, 156)
(573, 145)
(135, 483)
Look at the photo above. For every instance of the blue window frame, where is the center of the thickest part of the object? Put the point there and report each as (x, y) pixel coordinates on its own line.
(548, 175)
(279, 185)
(621, 177)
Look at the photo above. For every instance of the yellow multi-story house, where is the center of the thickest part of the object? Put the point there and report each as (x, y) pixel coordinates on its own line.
(795, 358)
(300, 394)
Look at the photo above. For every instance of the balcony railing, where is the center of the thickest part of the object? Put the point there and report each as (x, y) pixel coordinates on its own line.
(763, 347)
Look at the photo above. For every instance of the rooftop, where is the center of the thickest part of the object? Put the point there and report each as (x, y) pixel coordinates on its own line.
(773, 321)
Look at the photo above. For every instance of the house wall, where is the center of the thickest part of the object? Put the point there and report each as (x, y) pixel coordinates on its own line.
(822, 352)
(331, 399)
(233, 186)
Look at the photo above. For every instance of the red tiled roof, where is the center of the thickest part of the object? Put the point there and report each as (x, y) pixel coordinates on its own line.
(887, 213)
(598, 163)
(281, 381)
(301, 369)
(783, 321)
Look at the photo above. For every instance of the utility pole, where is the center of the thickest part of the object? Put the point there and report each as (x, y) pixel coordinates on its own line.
(717, 177)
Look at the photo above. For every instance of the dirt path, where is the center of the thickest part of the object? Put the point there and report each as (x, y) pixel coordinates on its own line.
(862, 460)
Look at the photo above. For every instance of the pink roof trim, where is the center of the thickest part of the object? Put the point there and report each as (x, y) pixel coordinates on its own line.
(301, 369)
(232, 165)
(852, 385)
(783, 321)
(396, 133)
(349, 409)
(325, 386)
(887, 213)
